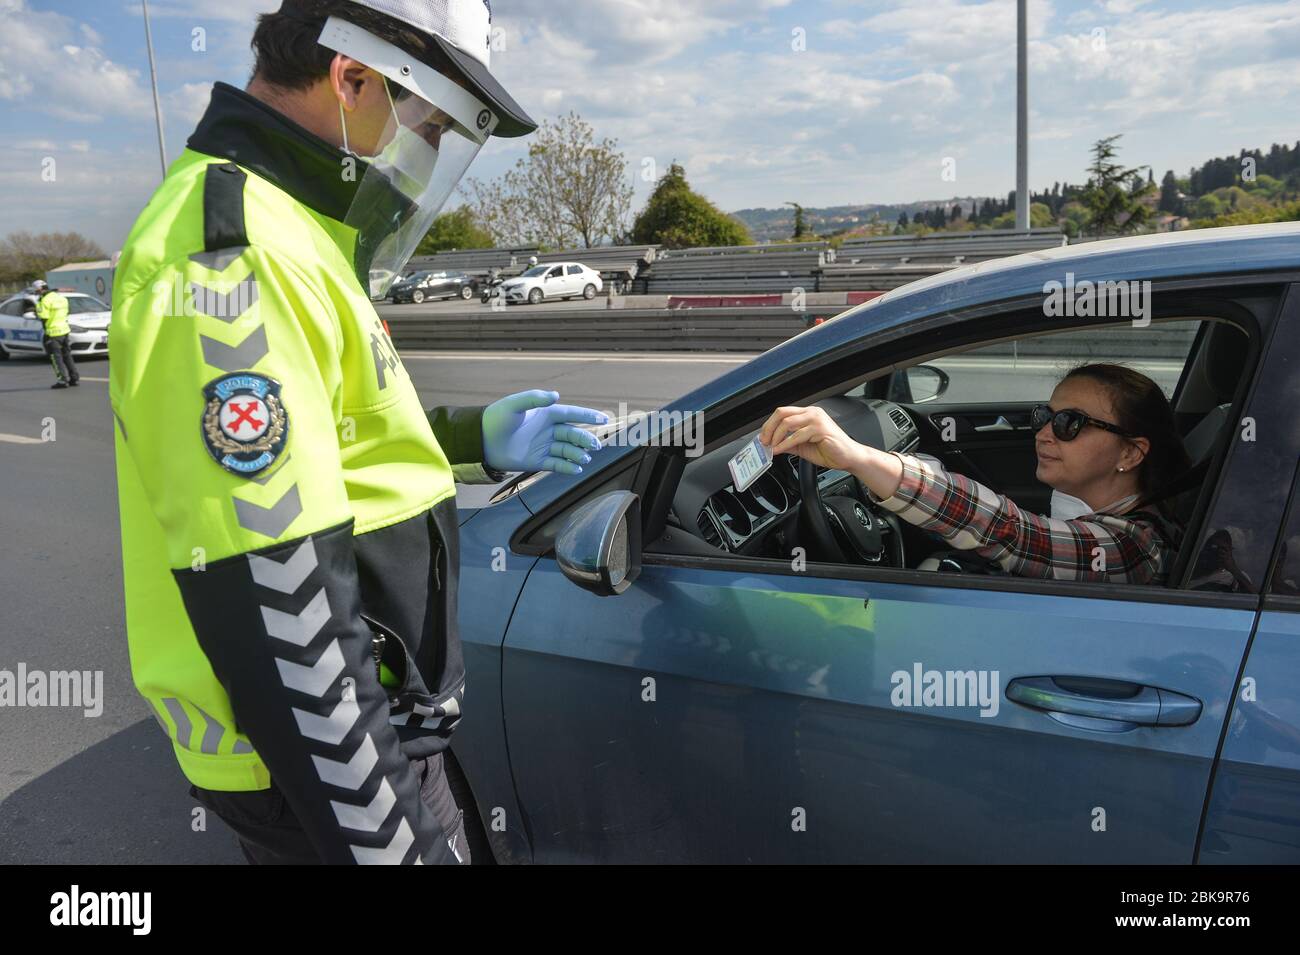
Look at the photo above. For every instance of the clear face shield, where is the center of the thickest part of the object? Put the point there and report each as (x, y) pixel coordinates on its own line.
(435, 129)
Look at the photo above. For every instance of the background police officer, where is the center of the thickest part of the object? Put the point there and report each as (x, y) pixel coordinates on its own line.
(52, 310)
(289, 527)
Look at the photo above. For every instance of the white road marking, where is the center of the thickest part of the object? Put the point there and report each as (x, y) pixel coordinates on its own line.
(20, 439)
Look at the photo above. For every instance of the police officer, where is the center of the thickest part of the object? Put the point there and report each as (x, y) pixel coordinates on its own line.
(52, 310)
(289, 529)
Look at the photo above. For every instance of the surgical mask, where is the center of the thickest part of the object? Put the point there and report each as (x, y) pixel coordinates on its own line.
(1068, 508)
(408, 160)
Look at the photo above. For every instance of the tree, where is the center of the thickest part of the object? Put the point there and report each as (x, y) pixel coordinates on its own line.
(800, 230)
(902, 220)
(569, 189)
(25, 255)
(676, 217)
(1040, 217)
(455, 230)
(1171, 199)
(1114, 194)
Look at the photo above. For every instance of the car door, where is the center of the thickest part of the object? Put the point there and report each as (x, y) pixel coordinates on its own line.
(23, 331)
(575, 280)
(553, 284)
(10, 322)
(1253, 815)
(726, 709)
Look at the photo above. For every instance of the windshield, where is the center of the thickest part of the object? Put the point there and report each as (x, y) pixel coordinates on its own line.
(535, 271)
(81, 304)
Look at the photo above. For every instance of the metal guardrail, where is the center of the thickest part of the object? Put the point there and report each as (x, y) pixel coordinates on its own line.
(693, 329)
(613, 262)
(775, 248)
(749, 328)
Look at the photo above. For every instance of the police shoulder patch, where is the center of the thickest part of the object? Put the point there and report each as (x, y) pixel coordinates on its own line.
(245, 424)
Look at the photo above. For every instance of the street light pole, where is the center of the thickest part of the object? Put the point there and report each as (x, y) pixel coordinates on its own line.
(153, 79)
(1022, 117)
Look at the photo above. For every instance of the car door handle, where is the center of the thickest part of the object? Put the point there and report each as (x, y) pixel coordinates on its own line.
(1002, 424)
(1108, 705)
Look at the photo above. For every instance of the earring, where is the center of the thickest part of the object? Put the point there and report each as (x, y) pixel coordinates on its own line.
(1121, 470)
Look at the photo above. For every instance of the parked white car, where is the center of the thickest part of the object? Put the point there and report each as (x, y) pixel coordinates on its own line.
(22, 333)
(552, 280)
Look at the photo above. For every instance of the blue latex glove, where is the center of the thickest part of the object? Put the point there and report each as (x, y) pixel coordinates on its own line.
(530, 432)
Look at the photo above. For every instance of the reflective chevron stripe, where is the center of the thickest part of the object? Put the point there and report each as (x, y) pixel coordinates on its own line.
(313, 680)
(184, 728)
(270, 521)
(241, 357)
(214, 731)
(288, 576)
(219, 260)
(300, 628)
(225, 306)
(392, 854)
(212, 734)
(352, 774)
(370, 817)
(332, 729)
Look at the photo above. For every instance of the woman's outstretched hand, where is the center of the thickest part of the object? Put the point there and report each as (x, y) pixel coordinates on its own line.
(812, 434)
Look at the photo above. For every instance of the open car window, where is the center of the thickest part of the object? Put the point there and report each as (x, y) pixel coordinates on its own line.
(1198, 361)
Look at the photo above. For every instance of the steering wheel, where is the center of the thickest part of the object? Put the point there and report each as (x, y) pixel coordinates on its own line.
(871, 537)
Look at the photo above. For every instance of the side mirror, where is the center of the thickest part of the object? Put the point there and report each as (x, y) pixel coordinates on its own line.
(918, 384)
(600, 546)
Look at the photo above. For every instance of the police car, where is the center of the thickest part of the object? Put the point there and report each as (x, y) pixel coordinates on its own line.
(21, 332)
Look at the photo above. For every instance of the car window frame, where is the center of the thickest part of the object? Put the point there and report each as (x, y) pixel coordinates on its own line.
(730, 416)
(1229, 294)
(1240, 463)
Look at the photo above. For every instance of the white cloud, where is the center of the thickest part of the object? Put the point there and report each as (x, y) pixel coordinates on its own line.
(185, 105)
(76, 82)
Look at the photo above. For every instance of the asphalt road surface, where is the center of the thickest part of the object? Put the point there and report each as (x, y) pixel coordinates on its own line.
(106, 788)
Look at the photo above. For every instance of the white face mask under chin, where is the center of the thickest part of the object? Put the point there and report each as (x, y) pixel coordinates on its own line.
(1067, 508)
(408, 160)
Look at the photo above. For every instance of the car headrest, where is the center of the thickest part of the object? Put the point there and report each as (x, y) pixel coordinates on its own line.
(1225, 350)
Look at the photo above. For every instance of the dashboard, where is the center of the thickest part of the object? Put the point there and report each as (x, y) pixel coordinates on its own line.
(760, 520)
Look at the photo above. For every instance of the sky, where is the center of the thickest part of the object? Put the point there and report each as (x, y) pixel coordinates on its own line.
(820, 102)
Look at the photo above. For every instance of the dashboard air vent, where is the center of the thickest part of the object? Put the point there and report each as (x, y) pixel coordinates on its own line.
(709, 530)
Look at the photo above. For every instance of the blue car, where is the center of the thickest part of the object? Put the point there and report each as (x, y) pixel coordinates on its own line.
(663, 668)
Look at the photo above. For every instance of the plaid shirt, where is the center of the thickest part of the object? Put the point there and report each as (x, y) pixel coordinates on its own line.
(969, 516)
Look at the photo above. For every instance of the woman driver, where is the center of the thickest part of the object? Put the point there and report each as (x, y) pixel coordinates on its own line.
(1107, 438)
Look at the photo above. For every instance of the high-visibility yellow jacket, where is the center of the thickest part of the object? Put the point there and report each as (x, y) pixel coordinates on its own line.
(52, 309)
(287, 505)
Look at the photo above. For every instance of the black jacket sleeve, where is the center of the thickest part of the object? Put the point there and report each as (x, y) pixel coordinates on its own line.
(282, 629)
(460, 434)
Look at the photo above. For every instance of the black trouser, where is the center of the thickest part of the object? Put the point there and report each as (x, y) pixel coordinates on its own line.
(270, 834)
(60, 351)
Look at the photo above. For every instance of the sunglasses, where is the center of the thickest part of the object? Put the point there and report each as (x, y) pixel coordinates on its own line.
(1067, 424)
